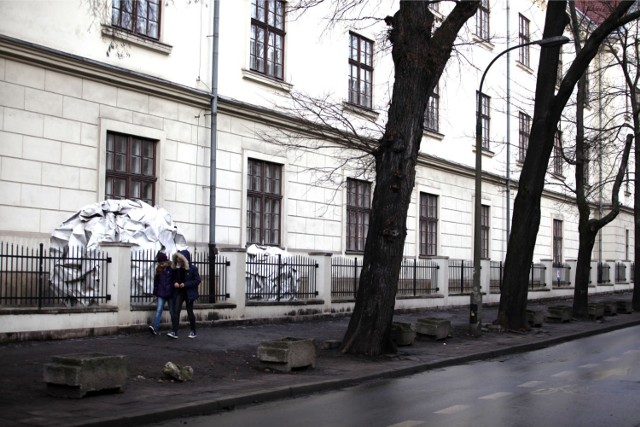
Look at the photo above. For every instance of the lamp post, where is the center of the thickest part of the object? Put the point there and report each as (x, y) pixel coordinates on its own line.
(476, 293)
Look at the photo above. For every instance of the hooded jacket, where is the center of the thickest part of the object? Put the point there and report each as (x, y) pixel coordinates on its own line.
(188, 274)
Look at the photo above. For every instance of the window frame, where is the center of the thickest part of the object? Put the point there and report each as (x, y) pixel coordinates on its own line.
(360, 71)
(482, 20)
(264, 186)
(485, 231)
(485, 118)
(432, 112)
(118, 13)
(129, 176)
(272, 25)
(428, 224)
(524, 132)
(524, 36)
(358, 214)
(557, 153)
(557, 242)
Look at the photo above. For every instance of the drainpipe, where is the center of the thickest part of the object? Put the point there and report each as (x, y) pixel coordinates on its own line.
(213, 251)
(600, 201)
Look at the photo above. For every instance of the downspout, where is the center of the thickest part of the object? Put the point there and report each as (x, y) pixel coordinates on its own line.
(213, 251)
(508, 183)
(600, 202)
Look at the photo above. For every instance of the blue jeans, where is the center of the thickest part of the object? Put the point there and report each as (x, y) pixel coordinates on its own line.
(159, 309)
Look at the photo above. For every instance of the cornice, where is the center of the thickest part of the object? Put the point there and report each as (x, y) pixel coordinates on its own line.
(67, 63)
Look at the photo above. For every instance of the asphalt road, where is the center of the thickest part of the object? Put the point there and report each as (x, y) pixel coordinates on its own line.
(593, 381)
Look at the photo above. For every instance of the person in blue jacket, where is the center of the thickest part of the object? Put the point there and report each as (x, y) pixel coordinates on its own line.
(186, 280)
(163, 290)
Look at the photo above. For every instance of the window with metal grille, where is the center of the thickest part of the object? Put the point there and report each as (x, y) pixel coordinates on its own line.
(432, 113)
(485, 118)
(360, 70)
(141, 17)
(267, 37)
(523, 37)
(358, 211)
(557, 241)
(428, 224)
(130, 168)
(264, 202)
(524, 127)
(557, 153)
(485, 223)
(482, 20)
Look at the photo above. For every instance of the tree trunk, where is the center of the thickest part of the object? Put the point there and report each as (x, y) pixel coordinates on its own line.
(583, 271)
(419, 60)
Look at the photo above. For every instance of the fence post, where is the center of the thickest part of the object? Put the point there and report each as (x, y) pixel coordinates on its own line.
(356, 277)
(442, 279)
(323, 278)
(119, 279)
(549, 272)
(40, 275)
(485, 276)
(236, 278)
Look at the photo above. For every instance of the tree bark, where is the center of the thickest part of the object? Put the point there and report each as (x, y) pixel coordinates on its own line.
(419, 60)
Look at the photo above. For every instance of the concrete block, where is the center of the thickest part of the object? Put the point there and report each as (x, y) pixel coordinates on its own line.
(288, 353)
(561, 313)
(75, 375)
(624, 306)
(535, 318)
(403, 333)
(433, 327)
(596, 310)
(610, 308)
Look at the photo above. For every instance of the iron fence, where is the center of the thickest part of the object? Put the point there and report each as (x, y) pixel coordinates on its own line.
(213, 288)
(345, 277)
(603, 273)
(50, 278)
(621, 273)
(537, 279)
(495, 283)
(460, 277)
(562, 275)
(278, 278)
(418, 277)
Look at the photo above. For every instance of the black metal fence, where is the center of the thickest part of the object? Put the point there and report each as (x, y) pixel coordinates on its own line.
(621, 273)
(537, 279)
(213, 288)
(345, 276)
(536, 276)
(48, 278)
(495, 275)
(278, 278)
(460, 277)
(561, 275)
(418, 277)
(603, 273)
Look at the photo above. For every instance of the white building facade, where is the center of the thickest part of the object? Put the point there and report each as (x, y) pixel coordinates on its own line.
(112, 98)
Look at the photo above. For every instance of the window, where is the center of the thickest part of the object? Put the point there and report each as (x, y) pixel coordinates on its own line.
(524, 127)
(484, 231)
(557, 153)
(358, 211)
(560, 74)
(432, 114)
(482, 20)
(626, 245)
(587, 88)
(557, 242)
(523, 37)
(585, 164)
(360, 70)
(141, 17)
(267, 37)
(485, 118)
(264, 201)
(428, 224)
(130, 168)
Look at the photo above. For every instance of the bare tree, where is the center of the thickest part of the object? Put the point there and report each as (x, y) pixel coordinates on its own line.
(549, 105)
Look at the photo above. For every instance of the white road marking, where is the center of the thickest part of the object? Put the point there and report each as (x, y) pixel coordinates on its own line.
(497, 395)
(563, 374)
(612, 359)
(408, 423)
(589, 366)
(453, 409)
(531, 384)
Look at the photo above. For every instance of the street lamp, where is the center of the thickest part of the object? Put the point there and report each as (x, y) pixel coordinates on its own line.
(476, 293)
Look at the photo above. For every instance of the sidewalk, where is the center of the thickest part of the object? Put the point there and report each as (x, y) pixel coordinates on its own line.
(227, 373)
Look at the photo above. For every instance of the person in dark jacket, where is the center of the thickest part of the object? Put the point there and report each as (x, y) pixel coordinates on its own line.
(163, 290)
(186, 280)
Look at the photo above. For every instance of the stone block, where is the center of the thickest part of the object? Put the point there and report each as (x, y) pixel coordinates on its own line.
(403, 333)
(561, 313)
(433, 327)
(624, 306)
(535, 318)
(288, 353)
(610, 308)
(75, 375)
(596, 310)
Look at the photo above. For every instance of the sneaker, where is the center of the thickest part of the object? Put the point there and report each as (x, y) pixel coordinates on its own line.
(192, 334)
(152, 330)
(172, 335)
